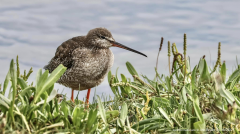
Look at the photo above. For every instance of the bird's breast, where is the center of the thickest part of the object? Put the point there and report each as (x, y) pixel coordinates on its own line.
(93, 64)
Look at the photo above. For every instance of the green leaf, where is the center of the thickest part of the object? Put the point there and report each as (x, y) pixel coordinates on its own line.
(168, 84)
(166, 116)
(102, 110)
(41, 81)
(114, 113)
(193, 79)
(22, 83)
(50, 97)
(198, 112)
(39, 74)
(13, 73)
(233, 77)
(27, 91)
(55, 75)
(205, 75)
(228, 95)
(123, 114)
(23, 119)
(123, 78)
(92, 117)
(116, 75)
(184, 94)
(199, 126)
(148, 124)
(5, 99)
(4, 106)
(77, 116)
(201, 66)
(223, 72)
(105, 129)
(64, 108)
(131, 69)
(109, 76)
(176, 121)
(6, 81)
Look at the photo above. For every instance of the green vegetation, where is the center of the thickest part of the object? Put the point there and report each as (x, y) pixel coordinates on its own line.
(183, 102)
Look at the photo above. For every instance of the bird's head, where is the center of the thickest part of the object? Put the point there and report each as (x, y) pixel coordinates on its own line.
(102, 38)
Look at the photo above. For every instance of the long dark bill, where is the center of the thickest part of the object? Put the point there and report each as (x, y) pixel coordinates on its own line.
(116, 44)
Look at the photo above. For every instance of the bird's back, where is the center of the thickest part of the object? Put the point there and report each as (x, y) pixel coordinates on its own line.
(63, 53)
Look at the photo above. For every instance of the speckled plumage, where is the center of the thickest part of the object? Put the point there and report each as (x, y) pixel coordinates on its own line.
(87, 58)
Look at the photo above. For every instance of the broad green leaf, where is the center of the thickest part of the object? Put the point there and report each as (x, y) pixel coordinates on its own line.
(92, 117)
(64, 108)
(131, 69)
(229, 96)
(199, 126)
(5, 99)
(55, 75)
(109, 76)
(201, 66)
(13, 73)
(102, 110)
(205, 75)
(50, 97)
(116, 75)
(147, 121)
(114, 113)
(176, 122)
(49, 91)
(4, 106)
(233, 76)
(22, 83)
(77, 115)
(166, 116)
(168, 84)
(184, 94)
(39, 74)
(207, 116)
(27, 91)
(198, 112)
(188, 65)
(223, 72)
(41, 81)
(193, 79)
(6, 81)
(123, 114)
(123, 78)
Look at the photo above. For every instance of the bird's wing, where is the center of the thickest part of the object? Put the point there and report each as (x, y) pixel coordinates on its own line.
(63, 53)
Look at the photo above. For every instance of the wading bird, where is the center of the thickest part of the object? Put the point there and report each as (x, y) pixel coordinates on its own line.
(87, 58)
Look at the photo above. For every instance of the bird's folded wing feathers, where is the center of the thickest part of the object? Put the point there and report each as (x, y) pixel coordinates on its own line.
(64, 52)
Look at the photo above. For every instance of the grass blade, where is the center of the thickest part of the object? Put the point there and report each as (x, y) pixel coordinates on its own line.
(55, 75)
(102, 110)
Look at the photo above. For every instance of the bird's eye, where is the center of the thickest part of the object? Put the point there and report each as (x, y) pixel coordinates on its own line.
(102, 37)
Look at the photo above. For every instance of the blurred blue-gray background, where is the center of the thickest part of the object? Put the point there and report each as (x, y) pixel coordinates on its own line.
(34, 29)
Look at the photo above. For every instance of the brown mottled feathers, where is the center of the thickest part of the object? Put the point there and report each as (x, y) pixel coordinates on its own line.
(87, 58)
(63, 53)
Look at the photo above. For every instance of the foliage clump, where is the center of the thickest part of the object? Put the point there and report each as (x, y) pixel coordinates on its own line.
(185, 101)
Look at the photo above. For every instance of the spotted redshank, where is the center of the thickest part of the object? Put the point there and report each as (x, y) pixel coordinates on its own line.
(87, 58)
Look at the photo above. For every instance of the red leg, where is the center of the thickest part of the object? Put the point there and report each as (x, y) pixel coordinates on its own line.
(72, 97)
(88, 95)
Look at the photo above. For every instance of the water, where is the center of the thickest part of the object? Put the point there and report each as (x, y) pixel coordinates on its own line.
(33, 30)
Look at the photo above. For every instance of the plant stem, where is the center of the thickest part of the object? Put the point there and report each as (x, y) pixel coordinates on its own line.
(160, 48)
